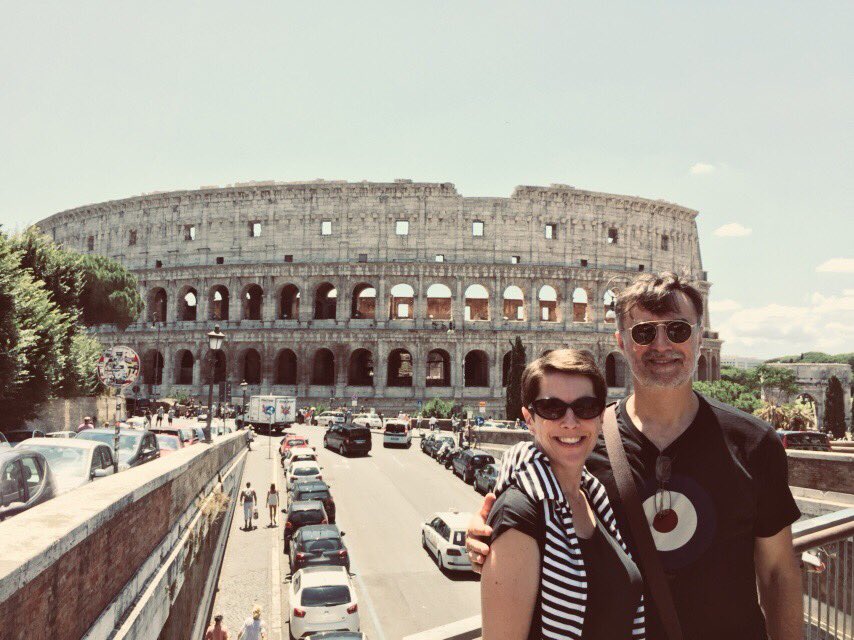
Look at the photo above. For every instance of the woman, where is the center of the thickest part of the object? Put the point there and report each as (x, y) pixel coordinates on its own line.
(273, 504)
(253, 628)
(558, 566)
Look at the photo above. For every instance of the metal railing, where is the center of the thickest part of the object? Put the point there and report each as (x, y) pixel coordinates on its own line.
(825, 545)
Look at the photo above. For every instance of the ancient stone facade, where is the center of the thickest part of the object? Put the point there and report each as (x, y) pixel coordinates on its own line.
(812, 379)
(387, 292)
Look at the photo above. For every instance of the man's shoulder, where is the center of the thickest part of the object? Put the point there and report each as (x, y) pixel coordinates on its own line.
(736, 421)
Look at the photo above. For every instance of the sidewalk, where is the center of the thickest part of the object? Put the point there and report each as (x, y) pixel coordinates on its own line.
(250, 571)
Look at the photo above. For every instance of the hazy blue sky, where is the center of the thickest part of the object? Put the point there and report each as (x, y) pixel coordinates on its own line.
(744, 111)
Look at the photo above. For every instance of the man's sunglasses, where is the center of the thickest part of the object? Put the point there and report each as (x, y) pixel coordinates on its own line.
(678, 331)
(554, 408)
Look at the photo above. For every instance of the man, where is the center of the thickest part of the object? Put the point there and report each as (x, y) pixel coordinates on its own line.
(722, 521)
(434, 423)
(159, 416)
(249, 501)
(217, 631)
(86, 424)
(171, 415)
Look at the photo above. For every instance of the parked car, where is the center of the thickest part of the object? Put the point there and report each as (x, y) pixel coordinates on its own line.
(200, 433)
(348, 439)
(469, 461)
(291, 440)
(318, 544)
(328, 418)
(303, 471)
(339, 635)
(485, 477)
(136, 446)
(60, 434)
(322, 599)
(4, 444)
(25, 481)
(301, 513)
(436, 443)
(805, 440)
(314, 490)
(168, 444)
(450, 455)
(137, 423)
(72, 461)
(187, 435)
(397, 433)
(443, 535)
(369, 420)
(19, 435)
(301, 454)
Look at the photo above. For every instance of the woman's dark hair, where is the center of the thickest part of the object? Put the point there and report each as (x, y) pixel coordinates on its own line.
(657, 293)
(570, 361)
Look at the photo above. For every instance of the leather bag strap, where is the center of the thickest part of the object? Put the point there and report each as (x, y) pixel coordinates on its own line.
(650, 563)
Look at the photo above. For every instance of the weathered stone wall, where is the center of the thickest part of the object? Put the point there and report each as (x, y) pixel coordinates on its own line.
(822, 471)
(64, 414)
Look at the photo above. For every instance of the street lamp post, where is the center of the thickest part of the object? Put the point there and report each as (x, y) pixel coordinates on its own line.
(215, 339)
(243, 386)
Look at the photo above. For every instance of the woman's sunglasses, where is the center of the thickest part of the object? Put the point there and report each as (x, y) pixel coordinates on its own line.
(554, 408)
(678, 331)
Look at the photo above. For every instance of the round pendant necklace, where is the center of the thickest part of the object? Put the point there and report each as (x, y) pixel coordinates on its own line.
(665, 519)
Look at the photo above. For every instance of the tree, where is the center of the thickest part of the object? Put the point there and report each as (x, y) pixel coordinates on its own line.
(834, 408)
(732, 393)
(513, 399)
(109, 294)
(437, 407)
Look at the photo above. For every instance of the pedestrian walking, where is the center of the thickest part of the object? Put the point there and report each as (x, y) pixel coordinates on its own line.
(217, 631)
(171, 415)
(249, 500)
(272, 504)
(86, 424)
(148, 418)
(434, 423)
(253, 628)
(159, 416)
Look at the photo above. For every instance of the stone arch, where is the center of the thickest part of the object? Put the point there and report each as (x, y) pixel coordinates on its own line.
(580, 308)
(188, 304)
(184, 362)
(608, 302)
(218, 303)
(220, 366)
(325, 301)
(289, 302)
(549, 302)
(615, 370)
(253, 302)
(513, 305)
(323, 367)
(157, 299)
(364, 303)
(152, 369)
(438, 368)
(250, 366)
(399, 368)
(439, 302)
(476, 369)
(702, 369)
(401, 302)
(360, 369)
(476, 300)
(286, 368)
(506, 364)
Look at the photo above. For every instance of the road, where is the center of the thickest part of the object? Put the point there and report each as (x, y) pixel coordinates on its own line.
(381, 501)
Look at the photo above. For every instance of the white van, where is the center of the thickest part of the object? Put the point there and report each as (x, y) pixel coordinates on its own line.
(397, 433)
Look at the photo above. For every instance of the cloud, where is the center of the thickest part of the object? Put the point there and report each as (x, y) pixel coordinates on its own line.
(723, 306)
(836, 265)
(701, 168)
(732, 230)
(825, 324)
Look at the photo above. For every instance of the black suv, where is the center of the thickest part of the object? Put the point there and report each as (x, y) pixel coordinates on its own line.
(348, 438)
(469, 461)
(301, 513)
(318, 544)
(315, 490)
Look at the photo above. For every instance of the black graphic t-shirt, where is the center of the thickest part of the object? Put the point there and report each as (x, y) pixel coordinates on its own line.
(728, 486)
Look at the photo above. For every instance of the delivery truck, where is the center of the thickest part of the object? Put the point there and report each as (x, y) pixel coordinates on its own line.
(271, 413)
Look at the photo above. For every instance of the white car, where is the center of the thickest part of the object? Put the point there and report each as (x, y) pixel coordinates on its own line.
(60, 434)
(328, 418)
(322, 599)
(304, 470)
(4, 444)
(444, 536)
(397, 433)
(301, 454)
(72, 461)
(138, 422)
(369, 420)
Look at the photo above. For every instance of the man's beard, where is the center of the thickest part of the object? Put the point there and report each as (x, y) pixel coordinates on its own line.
(671, 380)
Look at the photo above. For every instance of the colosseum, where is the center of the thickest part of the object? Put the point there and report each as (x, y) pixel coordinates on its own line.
(386, 293)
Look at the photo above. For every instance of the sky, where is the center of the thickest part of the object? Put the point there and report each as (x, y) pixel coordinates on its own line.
(743, 111)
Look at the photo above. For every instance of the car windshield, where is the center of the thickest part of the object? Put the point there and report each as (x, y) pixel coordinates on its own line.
(395, 428)
(329, 596)
(64, 461)
(479, 461)
(359, 433)
(324, 544)
(313, 495)
(307, 516)
(296, 443)
(306, 471)
(127, 442)
(167, 442)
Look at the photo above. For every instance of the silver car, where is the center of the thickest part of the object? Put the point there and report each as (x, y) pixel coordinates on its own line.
(25, 481)
(73, 462)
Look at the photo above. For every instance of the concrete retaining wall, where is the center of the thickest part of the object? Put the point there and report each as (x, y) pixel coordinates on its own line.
(64, 414)
(823, 471)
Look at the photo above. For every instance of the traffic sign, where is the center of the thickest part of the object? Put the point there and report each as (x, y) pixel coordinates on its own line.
(118, 367)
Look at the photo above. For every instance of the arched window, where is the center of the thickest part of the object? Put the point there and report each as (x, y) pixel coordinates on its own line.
(218, 303)
(253, 297)
(157, 305)
(153, 368)
(438, 302)
(323, 368)
(400, 368)
(286, 367)
(364, 305)
(476, 303)
(438, 368)
(402, 302)
(476, 369)
(514, 304)
(549, 307)
(702, 369)
(184, 362)
(325, 302)
(188, 305)
(252, 366)
(615, 370)
(360, 369)
(579, 306)
(289, 302)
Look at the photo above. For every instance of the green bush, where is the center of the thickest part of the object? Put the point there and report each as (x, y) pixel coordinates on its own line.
(437, 407)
